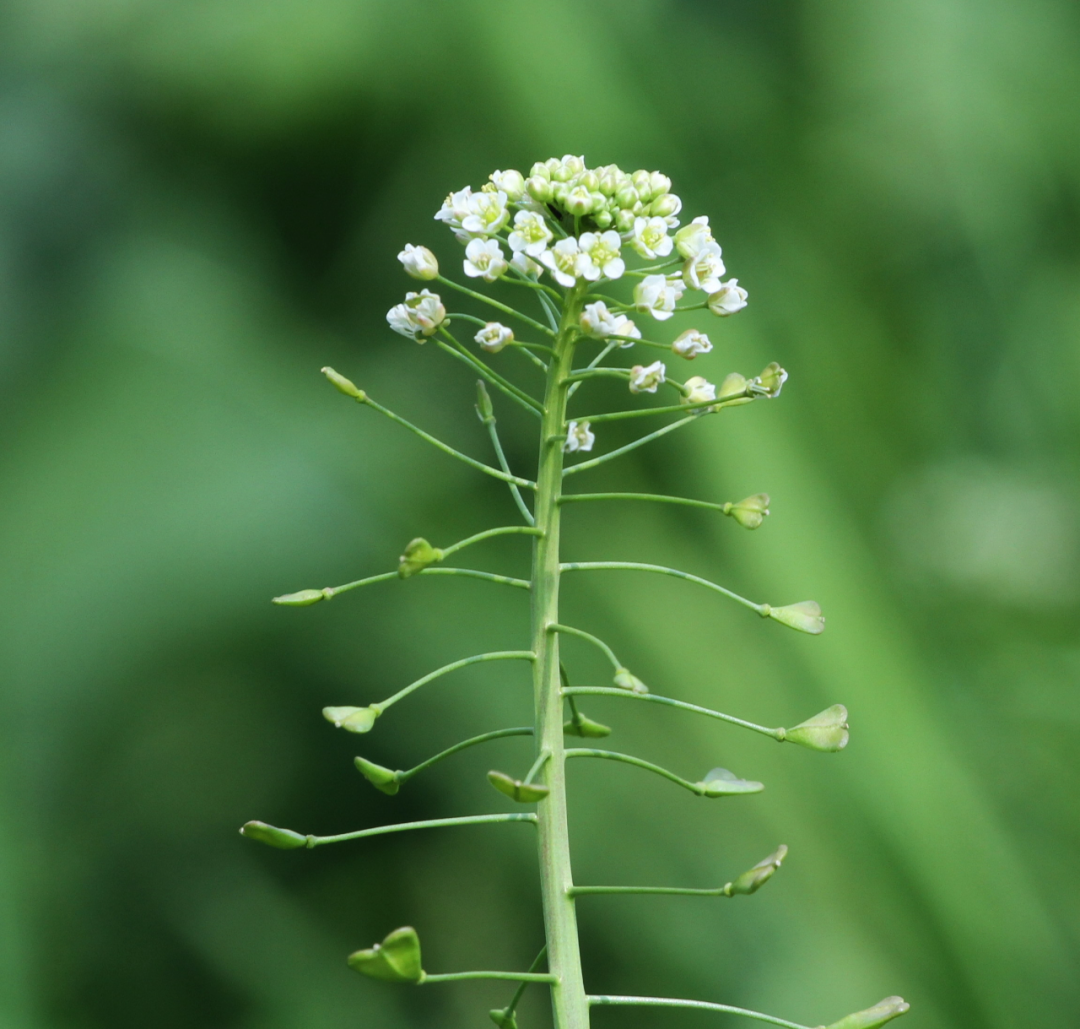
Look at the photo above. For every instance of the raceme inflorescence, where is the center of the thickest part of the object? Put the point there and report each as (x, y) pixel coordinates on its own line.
(569, 237)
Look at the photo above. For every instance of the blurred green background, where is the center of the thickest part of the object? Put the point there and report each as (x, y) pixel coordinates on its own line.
(200, 205)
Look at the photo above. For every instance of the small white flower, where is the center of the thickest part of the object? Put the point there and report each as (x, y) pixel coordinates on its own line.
(419, 262)
(691, 238)
(646, 379)
(562, 261)
(651, 238)
(703, 270)
(578, 437)
(600, 255)
(691, 343)
(698, 390)
(487, 213)
(526, 265)
(531, 234)
(599, 323)
(421, 314)
(484, 259)
(658, 295)
(511, 182)
(455, 209)
(493, 337)
(625, 327)
(728, 299)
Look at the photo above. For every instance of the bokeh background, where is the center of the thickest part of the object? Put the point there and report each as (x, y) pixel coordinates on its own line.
(200, 205)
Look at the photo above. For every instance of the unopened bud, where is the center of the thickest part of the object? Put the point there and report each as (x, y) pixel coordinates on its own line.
(418, 555)
(770, 381)
(515, 789)
(665, 206)
(827, 730)
(602, 217)
(609, 183)
(511, 182)
(396, 959)
(540, 168)
(582, 726)
(753, 879)
(343, 385)
(504, 1018)
(590, 180)
(805, 616)
(625, 680)
(882, 1012)
(640, 179)
(352, 719)
(751, 512)
(419, 262)
(722, 783)
(484, 409)
(383, 779)
(539, 189)
(272, 836)
(624, 220)
(626, 197)
(300, 599)
(659, 184)
(579, 201)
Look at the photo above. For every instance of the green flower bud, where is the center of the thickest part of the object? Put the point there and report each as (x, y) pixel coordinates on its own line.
(603, 218)
(539, 188)
(515, 789)
(659, 184)
(624, 221)
(383, 779)
(722, 783)
(504, 1018)
(590, 180)
(343, 385)
(396, 959)
(559, 192)
(579, 201)
(541, 170)
(770, 381)
(732, 386)
(751, 512)
(352, 719)
(882, 1012)
(665, 206)
(752, 880)
(484, 410)
(582, 726)
(283, 839)
(805, 616)
(627, 681)
(626, 197)
(301, 599)
(641, 182)
(827, 730)
(418, 555)
(609, 182)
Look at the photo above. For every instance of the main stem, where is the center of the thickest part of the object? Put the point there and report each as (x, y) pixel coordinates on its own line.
(568, 998)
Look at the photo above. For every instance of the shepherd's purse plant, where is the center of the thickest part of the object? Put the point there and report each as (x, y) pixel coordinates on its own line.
(564, 236)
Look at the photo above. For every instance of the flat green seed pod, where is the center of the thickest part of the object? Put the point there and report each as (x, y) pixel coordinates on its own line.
(395, 960)
(722, 783)
(516, 790)
(272, 836)
(381, 778)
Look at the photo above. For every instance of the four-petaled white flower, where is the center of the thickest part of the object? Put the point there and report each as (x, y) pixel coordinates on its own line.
(531, 234)
(698, 390)
(455, 209)
(487, 214)
(651, 238)
(703, 270)
(420, 315)
(658, 295)
(511, 182)
(691, 343)
(578, 437)
(484, 259)
(526, 265)
(562, 261)
(691, 238)
(600, 255)
(493, 337)
(419, 262)
(645, 379)
(728, 299)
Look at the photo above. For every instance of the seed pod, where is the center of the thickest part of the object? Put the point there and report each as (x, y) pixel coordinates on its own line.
(751, 512)
(343, 385)
(383, 779)
(272, 836)
(626, 680)
(882, 1012)
(805, 616)
(827, 730)
(300, 599)
(753, 879)
(515, 789)
(722, 783)
(396, 959)
(582, 726)
(418, 555)
(352, 719)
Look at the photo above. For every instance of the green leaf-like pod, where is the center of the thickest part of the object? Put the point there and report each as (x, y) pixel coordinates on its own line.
(418, 555)
(515, 789)
(751, 512)
(343, 385)
(770, 381)
(381, 778)
(582, 726)
(272, 836)
(352, 719)
(805, 616)
(722, 783)
(734, 385)
(753, 879)
(882, 1012)
(504, 1018)
(827, 730)
(396, 959)
(626, 680)
(300, 599)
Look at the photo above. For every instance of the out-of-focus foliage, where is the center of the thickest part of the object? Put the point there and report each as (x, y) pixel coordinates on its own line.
(200, 204)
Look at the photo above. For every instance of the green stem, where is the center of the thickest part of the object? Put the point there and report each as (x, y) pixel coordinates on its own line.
(592, 364)
(463, 745)
(524, 977)
(611, 455)
(431, 823)
(641, 412)
(496, 655)
(520, 992)
(655, 497)
(675, 891)
(505, 530)
(459, 352)
(702, 1005)
(329, 592)
(489, 422)
(495, 303)
(536, 766)
(594, 640)
(627, 759)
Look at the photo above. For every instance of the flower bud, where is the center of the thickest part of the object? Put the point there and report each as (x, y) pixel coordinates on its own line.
(383, 779)
(752, 880)
(582, 726)
(659, 184)
(626, 197)
(283, 839)
(624, 220)
(484, 409)
(882, 1012)
(640, 179)
(698, 390)
(827, 730)
(603, 218)
(418, 555)
(722, 783)
(590, 180)
(770, 381)
(419, 262)
(733, 386)
(751, 512)
(665, 206)
(343, 385)
(301, 599)
(515, 789)
(691, 238)
(511, 182)
(539, 188)
(609, 181)
(626, 680)
(579, 201)
(504, 1018)
(540, 169)
(352, 719)
(396, 959)
(805, 616)
(572, 166)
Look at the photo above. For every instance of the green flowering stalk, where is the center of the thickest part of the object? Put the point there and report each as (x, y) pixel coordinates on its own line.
(570, 237)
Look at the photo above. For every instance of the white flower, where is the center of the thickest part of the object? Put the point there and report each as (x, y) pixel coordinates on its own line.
(419, 262)
(625, 327)
(650, 238)
(455, 210)
(526, 265)
(691, 343)
(531, 234)
(703, 270)
(698, 390)
(599, 323)
(487, 214)
(484, 258)
(691, 238)
(578, 437)
(657, 295)
(421, 314)
(511, 182)
(562, 261)
(646, 379)
(600, 255)
(493, 337)
(728, 299)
